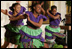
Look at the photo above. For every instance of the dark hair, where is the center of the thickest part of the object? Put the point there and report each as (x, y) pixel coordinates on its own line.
(33, 5)
(13, 5)
(52, 7)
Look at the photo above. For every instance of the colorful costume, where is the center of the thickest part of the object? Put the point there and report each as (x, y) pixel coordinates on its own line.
(12, 34)
(53, 27)
(32, 38)
(53, 30)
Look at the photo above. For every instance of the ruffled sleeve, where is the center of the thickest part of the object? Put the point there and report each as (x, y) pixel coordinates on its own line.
(24, 9)
(11, 13)
(49, 16)
(60, 16)
(27, 12)
(43, 17)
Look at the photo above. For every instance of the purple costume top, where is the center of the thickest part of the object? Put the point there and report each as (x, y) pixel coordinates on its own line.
(18, 22)
(23, 32)
(54, 22)
(35, 19)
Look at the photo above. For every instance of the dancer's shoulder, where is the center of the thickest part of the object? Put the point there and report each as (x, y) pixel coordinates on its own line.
(58, 13)
(10, 12)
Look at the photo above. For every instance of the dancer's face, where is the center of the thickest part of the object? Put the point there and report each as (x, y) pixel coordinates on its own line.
(54, 11)
(17, 8)
(38, 8)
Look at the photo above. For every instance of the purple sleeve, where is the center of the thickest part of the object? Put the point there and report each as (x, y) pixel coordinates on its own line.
(60, 16)
(27, 12)
(24, 9)
(10, 13)
(49, 16)
(43, 17)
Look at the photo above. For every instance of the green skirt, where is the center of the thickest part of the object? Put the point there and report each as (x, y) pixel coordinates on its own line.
(31, 38)
(12, 34)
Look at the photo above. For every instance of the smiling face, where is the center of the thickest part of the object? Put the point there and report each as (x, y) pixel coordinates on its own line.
(54, 11)
(37, 8)
(17, 8)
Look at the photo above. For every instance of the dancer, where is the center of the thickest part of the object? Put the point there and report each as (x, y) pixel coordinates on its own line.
(53, 27)
(23, 9)
(12, 35)
(31, 33)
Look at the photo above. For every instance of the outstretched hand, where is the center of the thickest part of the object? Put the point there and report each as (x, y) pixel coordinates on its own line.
(4, 11)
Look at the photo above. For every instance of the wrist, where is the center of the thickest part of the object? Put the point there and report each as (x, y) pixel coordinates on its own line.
(9, 15)
(30, 20)
(48, 12)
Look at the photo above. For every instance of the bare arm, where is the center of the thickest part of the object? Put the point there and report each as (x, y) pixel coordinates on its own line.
(43, 11)
(42, 8)
(54, 17)
(36, 24)
(4, 11)
(18, 17)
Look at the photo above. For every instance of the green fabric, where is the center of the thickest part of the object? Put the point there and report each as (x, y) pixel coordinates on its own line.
(14, 28)
(53, 29)
(20, 45)
(16, 39)
(32, 32)
(58, 35)
(37, 43)
(48, 34)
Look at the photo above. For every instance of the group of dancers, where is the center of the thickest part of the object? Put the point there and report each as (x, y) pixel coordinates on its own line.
(30, 35)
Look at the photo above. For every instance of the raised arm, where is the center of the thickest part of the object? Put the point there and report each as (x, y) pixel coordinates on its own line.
(54, 17)
(18, 17)
(43, 11)
(36, 24)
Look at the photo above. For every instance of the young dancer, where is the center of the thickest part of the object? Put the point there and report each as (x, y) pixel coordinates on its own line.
(53, 27)
(31, 33)
(23, 9)
(12, 29)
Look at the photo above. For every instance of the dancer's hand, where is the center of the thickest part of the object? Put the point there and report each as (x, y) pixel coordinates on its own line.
(42, 3)
(4, 11)
(48, 10)
(8, 13)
